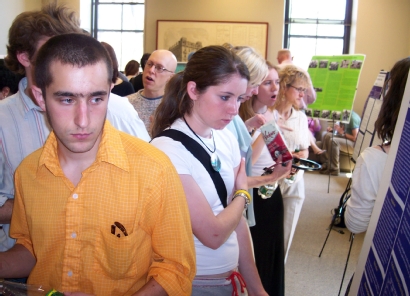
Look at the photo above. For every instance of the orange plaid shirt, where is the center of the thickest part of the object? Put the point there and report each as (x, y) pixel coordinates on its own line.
(68, 229)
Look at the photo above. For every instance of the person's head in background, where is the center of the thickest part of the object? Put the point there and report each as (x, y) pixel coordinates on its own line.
(389, 111)
(132, 69)
(144, 60)
(267, 94)
(256, 64)
(73, 81)
(158, 70)
(293, 83)
(209, 89)
(9, 81)
(30, 30)
(114, 61)
(284, 55)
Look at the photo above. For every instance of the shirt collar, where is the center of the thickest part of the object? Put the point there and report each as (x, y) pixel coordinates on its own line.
(293, 114)
(111, 150)
(28, 103)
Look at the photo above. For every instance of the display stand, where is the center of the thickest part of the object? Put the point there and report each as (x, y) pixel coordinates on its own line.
(336, 220)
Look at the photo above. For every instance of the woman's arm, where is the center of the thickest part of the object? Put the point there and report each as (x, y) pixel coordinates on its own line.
(279, 172)
(247, 265)
(257, 147)
(316, 125)
(255, 122)
(360, 205)
(304, 153)
(213, 230)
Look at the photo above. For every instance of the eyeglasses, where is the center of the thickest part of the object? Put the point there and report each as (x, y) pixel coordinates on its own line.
(158, 68)
(299, 89)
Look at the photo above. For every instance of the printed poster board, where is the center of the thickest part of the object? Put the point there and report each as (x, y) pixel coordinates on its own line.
(384, 263)
(335, 80)
(367, 136)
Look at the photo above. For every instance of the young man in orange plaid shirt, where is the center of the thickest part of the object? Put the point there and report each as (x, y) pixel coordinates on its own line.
(96, 211)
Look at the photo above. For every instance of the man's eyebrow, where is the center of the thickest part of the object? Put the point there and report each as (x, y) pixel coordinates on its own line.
(70, 94)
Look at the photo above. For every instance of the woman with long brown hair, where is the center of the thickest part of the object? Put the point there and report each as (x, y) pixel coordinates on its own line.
(370, 164)
(199, 103)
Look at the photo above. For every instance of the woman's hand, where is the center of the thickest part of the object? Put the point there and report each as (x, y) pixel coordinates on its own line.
(241, 181)
(293, 171)
(255, 122)
(303, 153)
(281, 170)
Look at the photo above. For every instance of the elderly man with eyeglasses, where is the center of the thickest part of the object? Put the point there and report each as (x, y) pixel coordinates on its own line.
(158, 70)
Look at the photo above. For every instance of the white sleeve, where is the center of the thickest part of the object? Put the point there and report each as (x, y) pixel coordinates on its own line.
(177, 153)
(360, 205)
(305, 140)
(122, 115)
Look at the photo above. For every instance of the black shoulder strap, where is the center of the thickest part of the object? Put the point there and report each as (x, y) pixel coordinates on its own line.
(199, 152)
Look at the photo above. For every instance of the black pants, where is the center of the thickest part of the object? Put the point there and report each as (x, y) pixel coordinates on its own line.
(268, 242)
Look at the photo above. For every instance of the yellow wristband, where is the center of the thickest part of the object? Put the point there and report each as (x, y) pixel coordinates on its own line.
(244, 192)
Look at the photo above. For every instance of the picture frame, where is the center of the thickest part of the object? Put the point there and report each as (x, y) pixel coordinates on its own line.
(183, 36)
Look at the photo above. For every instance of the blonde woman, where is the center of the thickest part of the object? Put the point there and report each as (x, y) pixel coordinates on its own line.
(258, 70)
(267, 234)
(293, 84)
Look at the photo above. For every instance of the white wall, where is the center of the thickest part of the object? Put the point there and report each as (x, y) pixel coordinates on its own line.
(9, 10)
(383, 35)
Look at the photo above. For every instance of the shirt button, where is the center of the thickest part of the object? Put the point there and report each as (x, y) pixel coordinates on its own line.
(70, 273)
(73, 235)
(75, 195)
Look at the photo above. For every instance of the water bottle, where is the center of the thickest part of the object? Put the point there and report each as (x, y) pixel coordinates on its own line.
(266, 191)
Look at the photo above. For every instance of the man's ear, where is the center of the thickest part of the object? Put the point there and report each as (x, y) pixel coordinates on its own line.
(5, 91)
(23, 58)
(38, 95)
(192, 91)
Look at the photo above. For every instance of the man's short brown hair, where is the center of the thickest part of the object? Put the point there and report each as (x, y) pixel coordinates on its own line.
(28, 27)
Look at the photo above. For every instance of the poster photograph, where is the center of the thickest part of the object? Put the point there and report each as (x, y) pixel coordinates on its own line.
(184, 37)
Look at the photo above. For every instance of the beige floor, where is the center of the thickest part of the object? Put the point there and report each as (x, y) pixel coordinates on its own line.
(306, 273)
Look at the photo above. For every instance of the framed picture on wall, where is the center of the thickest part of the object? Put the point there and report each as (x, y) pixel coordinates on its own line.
(184, 37)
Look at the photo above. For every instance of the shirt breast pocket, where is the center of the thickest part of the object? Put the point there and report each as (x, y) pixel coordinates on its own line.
(117, 257)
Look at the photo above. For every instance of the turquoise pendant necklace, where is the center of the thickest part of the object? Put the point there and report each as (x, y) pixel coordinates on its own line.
(215, 161)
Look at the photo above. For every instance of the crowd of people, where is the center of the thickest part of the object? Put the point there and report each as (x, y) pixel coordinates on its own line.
(148, 183)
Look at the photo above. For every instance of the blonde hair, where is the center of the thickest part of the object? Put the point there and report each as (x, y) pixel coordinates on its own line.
(246, 110)
(287, 77)
(256, 64)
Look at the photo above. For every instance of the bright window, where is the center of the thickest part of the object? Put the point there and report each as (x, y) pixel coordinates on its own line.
(121, 24)
(317, 27)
